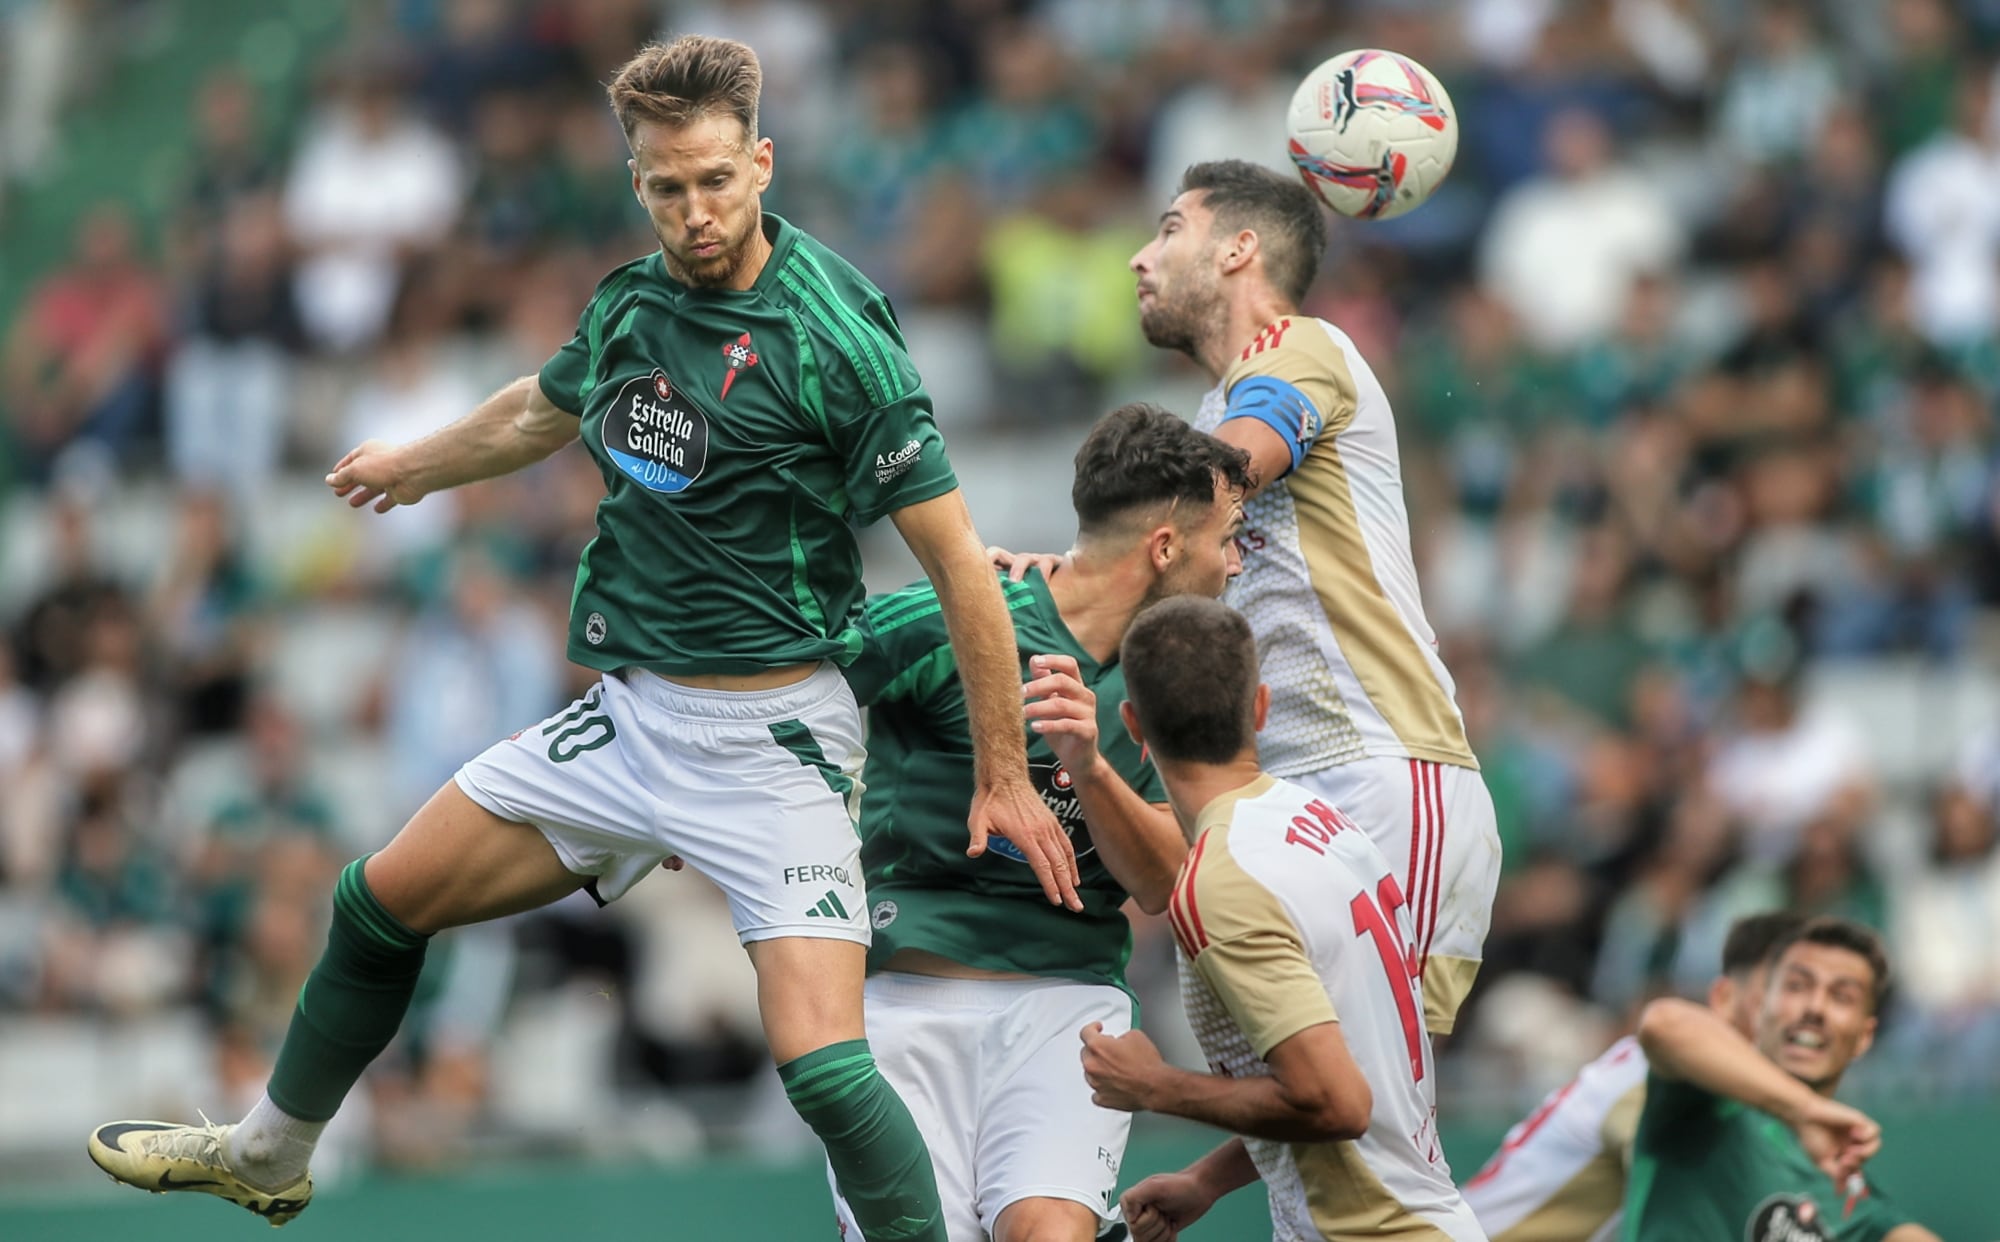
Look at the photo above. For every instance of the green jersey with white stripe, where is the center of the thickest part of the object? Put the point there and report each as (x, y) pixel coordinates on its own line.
(742, 436)
(989, 911)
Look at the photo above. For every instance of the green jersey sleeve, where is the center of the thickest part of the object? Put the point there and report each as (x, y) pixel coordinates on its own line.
(567, 378)
(879, 418)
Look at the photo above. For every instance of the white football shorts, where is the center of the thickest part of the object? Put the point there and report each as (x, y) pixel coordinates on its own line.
(1435, 824)
(992, 1071)
(757, 790)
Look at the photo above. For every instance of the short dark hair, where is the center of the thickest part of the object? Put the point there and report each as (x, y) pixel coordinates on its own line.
(681, 82)
(1283, 213)
(1142, 454)
(1856, 938)
(1191, 675)
(1755, 939)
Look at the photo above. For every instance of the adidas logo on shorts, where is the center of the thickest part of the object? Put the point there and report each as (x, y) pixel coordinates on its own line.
(829, 907)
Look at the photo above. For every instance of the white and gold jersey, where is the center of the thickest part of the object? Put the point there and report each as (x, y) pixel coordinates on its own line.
(1559, 1175)
(1287, 917)
(1329, 583)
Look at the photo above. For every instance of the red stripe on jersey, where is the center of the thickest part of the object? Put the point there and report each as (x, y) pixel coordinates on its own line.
(1437, 860)
(1192, 911)
(1411, 886)
(1177, 920)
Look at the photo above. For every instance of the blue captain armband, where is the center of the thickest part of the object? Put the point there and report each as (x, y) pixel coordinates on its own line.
(1279, 406)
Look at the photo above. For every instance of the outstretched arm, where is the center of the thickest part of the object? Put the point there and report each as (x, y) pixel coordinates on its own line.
(515, 427)
(940, 534)
(1686, 1041)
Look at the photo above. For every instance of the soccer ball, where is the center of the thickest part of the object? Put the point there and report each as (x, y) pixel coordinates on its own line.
(1372, 133)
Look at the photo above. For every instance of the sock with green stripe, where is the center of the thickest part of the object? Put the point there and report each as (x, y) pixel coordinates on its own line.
(878, 1157)
(347, 1012)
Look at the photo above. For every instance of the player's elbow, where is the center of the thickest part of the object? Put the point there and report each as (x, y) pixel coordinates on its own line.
(1152, 897)
(1662, 1026)
(1335, 1113)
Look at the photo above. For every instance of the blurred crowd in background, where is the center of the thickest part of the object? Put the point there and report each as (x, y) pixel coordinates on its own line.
(1696, 360)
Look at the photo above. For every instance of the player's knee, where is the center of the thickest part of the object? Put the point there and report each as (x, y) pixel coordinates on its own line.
(1046, 1220)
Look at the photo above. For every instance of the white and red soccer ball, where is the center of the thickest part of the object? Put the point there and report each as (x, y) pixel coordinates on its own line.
(1372, 133)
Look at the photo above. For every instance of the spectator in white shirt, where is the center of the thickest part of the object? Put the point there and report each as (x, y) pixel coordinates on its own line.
(372, 185)
(1564, 247)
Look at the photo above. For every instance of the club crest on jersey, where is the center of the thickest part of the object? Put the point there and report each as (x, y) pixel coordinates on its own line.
(1786, 1218)
(1058, 791)
(739, 357)
(652, 433)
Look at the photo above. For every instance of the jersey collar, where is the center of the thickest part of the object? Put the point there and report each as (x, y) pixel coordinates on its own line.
(782, 235)
(1224, 805)
(1060, 640)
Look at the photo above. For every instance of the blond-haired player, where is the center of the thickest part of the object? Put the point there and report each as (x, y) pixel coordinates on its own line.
(1298, 973)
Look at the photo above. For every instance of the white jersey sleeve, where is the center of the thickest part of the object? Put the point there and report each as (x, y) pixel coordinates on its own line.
(1559, 1175)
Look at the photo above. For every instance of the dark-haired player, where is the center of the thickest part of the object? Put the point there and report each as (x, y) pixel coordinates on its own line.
(977, 985)
(1745, 1140)
(1559, 1175)
(1362, 709)
(1299, 973)
(748, 400)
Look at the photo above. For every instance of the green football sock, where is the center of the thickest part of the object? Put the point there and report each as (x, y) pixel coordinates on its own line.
(351, 1005)
(878, 1157)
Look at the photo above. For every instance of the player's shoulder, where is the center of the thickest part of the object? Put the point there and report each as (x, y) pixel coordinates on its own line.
(1617, 1069)
(1293, 347)
(1274, 842)
(918, 608)
(810, 255)
(625, 279)
(846, 321)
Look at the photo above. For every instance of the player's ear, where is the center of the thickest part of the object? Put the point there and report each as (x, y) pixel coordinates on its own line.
(1239, 250)
(1262, 704)
(1131, 719)
(1867, 1039)
(637, 193)
(760, 159)
(1722, 995)
(1160, 547)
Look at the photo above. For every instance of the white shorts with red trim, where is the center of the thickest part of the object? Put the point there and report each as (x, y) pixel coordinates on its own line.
(1435, 823)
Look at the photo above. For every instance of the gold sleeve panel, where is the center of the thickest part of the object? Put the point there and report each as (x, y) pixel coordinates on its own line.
(1252, 954)
(1384, 655)
(1621, 1124)
(1446, 981)
(1297, 350)
(1347, 1200)
(1268, 985)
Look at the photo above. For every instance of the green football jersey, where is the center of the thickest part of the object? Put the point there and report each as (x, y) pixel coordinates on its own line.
(990, 911)
(1708, 1169)
(742, 435)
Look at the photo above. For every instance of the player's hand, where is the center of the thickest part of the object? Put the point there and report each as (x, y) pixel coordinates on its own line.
(1157, 1209)
(372, 473)
(1838, 1138)
(1063, 711)
(1017, 564)
(1121, 1069)
(1015, 811)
